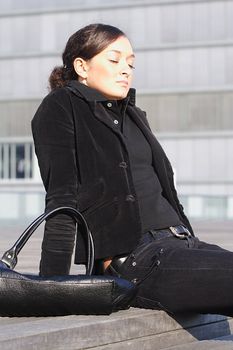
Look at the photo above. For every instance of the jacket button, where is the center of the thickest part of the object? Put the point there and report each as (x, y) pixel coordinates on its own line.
(123, 165)
(109, 104)
(130, 198)
(115, 122)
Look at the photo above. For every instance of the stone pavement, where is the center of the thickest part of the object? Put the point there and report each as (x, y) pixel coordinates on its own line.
(215, 231)
(130, 329)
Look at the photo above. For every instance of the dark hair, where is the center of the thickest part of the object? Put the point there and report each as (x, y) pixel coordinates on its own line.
(85, 43)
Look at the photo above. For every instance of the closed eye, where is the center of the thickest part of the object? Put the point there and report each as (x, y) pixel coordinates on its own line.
(131, 66)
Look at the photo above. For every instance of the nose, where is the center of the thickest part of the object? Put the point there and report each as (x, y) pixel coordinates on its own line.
(125, 69)
(125, 73)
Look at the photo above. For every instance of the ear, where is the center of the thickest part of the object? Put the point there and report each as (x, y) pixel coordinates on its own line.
(80, 67)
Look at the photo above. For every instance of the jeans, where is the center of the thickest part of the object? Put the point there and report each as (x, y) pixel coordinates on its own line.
(181, 275)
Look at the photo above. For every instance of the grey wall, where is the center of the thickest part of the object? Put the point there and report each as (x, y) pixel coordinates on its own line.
(197, 111)
(184, 76)
(181, 47)
(15, 117)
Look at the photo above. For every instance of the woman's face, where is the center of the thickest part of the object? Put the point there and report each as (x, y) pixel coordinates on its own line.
(110, 71)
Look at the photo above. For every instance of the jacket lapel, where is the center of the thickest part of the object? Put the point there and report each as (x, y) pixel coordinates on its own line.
(102, 115)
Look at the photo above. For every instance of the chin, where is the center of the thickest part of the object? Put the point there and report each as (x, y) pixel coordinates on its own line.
(116, 94)
(120, 95)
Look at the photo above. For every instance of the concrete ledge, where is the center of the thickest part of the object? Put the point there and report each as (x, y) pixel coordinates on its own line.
(218, 344)
(130, 329)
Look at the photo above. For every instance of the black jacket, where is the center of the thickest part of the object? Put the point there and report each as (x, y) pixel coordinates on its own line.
(84, 163)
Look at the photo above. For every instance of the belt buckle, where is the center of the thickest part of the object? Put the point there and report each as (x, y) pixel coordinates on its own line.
(183, 235)
(122, 259)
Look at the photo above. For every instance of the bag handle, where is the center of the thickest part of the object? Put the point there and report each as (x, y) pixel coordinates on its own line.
(10, 257)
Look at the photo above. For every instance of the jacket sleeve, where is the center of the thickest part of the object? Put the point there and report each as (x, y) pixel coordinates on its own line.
(54, 139)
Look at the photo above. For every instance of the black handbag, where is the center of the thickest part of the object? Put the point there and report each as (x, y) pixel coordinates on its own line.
(32, 295)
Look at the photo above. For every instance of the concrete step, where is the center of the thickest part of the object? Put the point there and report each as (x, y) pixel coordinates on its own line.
(222, 343)
(129, 329)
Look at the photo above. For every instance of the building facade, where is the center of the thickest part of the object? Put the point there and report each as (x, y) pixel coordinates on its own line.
(183, 77)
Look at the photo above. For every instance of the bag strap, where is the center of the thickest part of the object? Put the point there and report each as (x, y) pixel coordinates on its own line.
(10, 257)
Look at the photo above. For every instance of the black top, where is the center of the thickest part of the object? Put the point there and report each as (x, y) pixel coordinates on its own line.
(155, 211)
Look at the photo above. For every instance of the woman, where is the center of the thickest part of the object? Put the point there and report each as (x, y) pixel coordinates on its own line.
(96, 153)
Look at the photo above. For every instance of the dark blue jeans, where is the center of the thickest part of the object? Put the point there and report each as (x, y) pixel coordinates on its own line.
(180, 275)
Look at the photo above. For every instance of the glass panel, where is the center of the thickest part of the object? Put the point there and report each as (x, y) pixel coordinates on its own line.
(16, 161)
(20, 162)
(207, 207)
(215, 207)
(1, 161)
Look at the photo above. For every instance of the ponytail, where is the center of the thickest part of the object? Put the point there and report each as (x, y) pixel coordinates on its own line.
(60, 76)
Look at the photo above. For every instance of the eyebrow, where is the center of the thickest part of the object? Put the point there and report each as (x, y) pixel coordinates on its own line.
(117, 51)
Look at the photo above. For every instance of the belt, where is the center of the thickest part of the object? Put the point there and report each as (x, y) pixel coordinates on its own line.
(179, 231)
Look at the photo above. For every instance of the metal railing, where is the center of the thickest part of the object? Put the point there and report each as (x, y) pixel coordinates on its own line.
(16, 158)
(22, 193)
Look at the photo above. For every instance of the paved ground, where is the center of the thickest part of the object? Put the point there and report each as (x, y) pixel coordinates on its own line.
(213, 231)
(218, 232)
(29, 257)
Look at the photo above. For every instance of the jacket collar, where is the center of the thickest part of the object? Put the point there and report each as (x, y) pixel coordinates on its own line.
(91, 95)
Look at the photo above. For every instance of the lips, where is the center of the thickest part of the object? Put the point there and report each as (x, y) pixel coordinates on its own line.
(123, 82)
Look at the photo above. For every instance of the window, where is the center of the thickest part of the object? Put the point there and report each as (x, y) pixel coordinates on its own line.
(16, 160)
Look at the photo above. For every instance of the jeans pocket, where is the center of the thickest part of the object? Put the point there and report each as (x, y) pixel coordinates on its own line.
(141, 263)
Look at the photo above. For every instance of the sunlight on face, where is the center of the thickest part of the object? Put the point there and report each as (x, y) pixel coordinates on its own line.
(110, 72)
